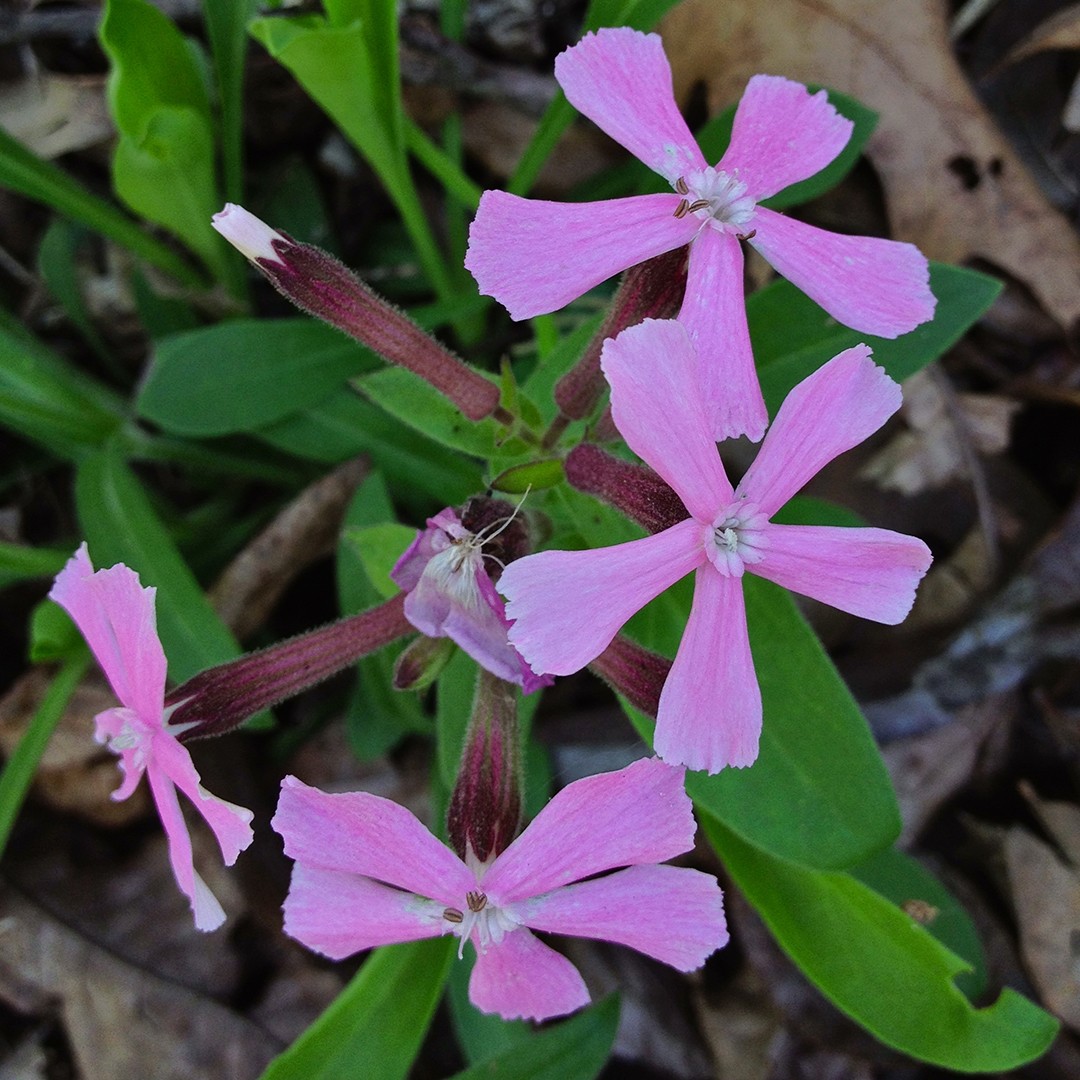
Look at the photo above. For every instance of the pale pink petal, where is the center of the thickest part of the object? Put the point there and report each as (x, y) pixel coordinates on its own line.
(709, 715)
(536, 256)
(230, 824)
(338, 914)
(640, 814)
(251, 236)
(116, 616)
(364, 834)
(671, 913)
(657, 406)
(523, 979)
(115, 723)
(875, 286)
(714, 314)
(868, 572)
(428, 542)
(782, 134)
(621, 80)
(566, 606)
(209, 914)
(842, 403)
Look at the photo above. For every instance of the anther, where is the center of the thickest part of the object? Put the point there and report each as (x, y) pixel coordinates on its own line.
(681, 186)
(748, 236)
(682, 209)
(698, 204)
(451, 914)
(477, 901)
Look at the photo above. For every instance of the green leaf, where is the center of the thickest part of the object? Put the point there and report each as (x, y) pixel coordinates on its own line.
(246, 373)
(58, 263)
(20, 767)
(792, 337)
(18, 562)
(379, 547)
(23, 172)
(419, 405)
(345, 425)
(532, 476)
(875, 963)
(837, 806)
(164, 163)
(900, 878)
(121, 526)
(378, 715)
(375, 1026)
(53, 636)
(45, 399)
(575, 1049)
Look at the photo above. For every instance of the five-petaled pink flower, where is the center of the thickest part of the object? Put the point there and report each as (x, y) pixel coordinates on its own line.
(536, 256)
(566, 606)
(116, 616)
(451, 595)
(369, 873)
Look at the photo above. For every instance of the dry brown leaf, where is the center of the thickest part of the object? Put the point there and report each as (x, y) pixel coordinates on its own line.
(56, 114)
(75, 773)
(1060, 31)
(931, 453)
(1046, 895)
(952, 183)
(1060, 819)
(118, 1019)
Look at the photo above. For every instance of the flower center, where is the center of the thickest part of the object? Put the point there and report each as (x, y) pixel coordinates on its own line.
(716, 198)
(485, 923)
(736, 539)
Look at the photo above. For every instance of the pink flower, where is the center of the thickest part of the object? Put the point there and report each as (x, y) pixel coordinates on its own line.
(450, 594)
(535, 256)
(368, 873)
(116, 616)
(566, 606)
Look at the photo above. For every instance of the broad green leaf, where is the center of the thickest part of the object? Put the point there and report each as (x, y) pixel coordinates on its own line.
(375, 1026)
(378, 715)
(58, 263)
(836, 806)
(379, 547)
(53, 636)
(246, 373)
(792, 337)
(18, 772)
(532, 476)
(120, 524)
(45, 399)
(575, 1049)
(19, 562)
(900, 878)
(454, 700)
(164, 163)
(23, 172)
(419, 405)
(810, 510)
(878, 965)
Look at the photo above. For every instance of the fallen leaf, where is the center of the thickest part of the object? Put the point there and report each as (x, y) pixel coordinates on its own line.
(56, 114)
(1060, 31)
(953, 185)
(1060, 819)
(1046, 896)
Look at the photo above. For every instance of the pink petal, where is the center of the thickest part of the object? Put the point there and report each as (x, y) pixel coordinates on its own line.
(116, 616)
(657, 406)
(536, 256)
(671, 913)
(640, 814)
(868, 572)
(782, 134)
(566, 606)
(714, 314)
(709, 715)
(875, 286)
(842, 403)
(522, 978)
(231, 824)
(364, 834)
(407, 570)
(132, 752)
(621, 80)
(338, 914)
(209, 914)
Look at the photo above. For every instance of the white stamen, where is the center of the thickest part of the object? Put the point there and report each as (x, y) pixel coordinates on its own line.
(718, 199)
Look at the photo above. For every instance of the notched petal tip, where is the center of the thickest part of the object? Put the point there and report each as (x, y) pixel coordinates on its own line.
(251, 236)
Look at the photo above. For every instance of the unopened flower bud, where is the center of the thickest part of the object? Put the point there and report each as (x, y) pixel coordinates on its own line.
(320, 285)
(633, 671)
(485, 806)
(421, 661)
